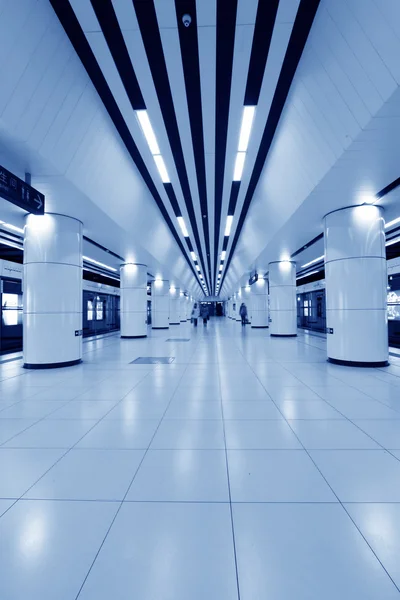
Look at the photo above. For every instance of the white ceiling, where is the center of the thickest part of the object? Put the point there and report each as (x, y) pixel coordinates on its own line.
(336, 143)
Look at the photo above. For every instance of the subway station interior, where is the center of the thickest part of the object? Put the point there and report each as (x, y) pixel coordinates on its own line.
(199, 300)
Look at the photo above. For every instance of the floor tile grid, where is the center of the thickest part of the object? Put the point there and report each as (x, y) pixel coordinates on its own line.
(32, 424)
(339, 501)
(65, 453)
(129, 487)
(342, 414)
(229, 490)
(345, 417)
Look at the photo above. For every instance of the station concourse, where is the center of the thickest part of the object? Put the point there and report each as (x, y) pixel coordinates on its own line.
(199, 300)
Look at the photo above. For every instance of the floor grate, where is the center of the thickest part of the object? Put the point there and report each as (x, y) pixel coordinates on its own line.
(153, 360)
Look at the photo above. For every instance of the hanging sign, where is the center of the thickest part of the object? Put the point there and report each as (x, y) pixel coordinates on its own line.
(15, 190)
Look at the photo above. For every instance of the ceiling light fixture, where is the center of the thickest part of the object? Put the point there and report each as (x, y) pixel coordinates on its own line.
(11, 244)
(239, 165)
(245, 130)
(228, 226)
(198, 268)
(313, 261)
(162, 169)
(148, 131)
(12, 227)
(194, 257)
(223, 254)
(220, 268)
(307, 274)
(183, 226)
(390, 223)
(100, 264)
(393, 241)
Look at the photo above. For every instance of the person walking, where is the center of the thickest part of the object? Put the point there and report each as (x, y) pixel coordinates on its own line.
(243, 313)
(195, 314)
(204, 313)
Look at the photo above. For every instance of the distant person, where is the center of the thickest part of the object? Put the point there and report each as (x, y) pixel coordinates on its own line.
(204, 313)
(195, 313)
(243, 313)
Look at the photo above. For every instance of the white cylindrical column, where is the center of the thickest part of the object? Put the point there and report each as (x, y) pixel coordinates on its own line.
(182, 309)
(160, 304)
(259, 304)
(282, 289)
(356, 286)
(174, 306)
(52, 322)
(133, 300)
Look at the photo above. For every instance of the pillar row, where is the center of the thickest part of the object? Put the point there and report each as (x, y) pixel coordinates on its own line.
(160, 304)
(133, 300)
(282, 289)
(356, 286)
(52, 316)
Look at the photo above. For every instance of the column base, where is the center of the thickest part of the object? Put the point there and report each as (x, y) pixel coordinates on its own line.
(175, 323)
(160, 327)
(59, 365)
(259, 327)
(356, 363)
(132, 337)
(283, 334)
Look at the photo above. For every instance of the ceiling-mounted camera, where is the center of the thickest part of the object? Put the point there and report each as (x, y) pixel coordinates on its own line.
(186, 20)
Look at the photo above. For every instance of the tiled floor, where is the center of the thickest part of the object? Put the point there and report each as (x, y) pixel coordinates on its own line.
(248, 469)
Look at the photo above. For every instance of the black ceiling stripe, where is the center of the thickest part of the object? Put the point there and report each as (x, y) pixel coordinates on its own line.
(189, 44)
(263, 29)
(233, 197)
(298, 38)
(148, 25)
(72, 28)
(172, 198)
(226, 26)
(389, 188)
(115, 40)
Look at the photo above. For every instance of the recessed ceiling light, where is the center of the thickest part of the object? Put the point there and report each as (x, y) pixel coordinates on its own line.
(223, 254)
(194, 257)
(390, 223)
(245, 130)
(100, 264)
(162, 169)
(228, 226)
(313, 261)
(148, 131)
(239, 165)
(183, 226)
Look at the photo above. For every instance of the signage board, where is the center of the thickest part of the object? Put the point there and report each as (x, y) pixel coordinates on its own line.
(253, 278)
(15, 190)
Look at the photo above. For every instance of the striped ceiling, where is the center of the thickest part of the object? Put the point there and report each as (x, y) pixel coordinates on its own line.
(193, 84)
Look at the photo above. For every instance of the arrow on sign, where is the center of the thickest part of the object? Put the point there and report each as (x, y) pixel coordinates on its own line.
(39, 202)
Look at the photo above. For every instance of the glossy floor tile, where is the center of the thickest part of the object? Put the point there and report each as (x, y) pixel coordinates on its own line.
(248, 469)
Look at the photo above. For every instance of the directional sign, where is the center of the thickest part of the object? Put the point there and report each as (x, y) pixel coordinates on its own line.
(22, 194)
(253, 278)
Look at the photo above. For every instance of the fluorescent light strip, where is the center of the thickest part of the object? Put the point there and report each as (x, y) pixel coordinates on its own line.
(245, 130)
(307, 274)
(162, 169)
(183, 226)
(7, 243)
(239, 165)
(100, 264)
(220, 268)
(198, 268)
(228, 226)
(393, 241)
(223, 254)
(313, 261)
(12, 227)
(148, 131)
(390, 223)
(194, 257)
